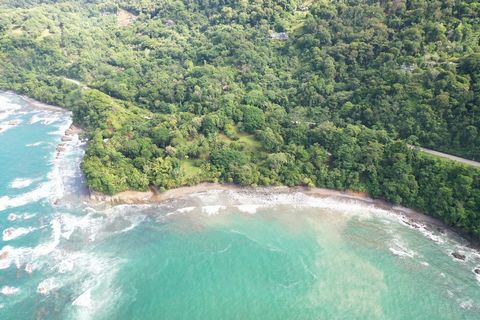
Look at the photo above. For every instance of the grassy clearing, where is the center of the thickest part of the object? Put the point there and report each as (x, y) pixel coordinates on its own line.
(189, 168)
(248, 141)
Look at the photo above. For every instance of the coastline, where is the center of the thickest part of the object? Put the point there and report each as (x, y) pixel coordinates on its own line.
(132, 197)
(412, 218)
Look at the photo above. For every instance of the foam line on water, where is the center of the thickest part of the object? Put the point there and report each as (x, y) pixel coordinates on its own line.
(20, 183)
(13, 233)
(213, 210)
(7, 290)
(4, 126)
(35, 144)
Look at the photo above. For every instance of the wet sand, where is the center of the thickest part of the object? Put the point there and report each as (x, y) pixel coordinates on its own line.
(410, 217)
(153, 196)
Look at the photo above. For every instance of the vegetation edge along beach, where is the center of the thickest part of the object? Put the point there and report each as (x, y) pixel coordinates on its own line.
(144, 196)
(305, 96)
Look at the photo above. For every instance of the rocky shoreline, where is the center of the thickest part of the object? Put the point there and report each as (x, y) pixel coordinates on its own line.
(409, 217)
(68, 136)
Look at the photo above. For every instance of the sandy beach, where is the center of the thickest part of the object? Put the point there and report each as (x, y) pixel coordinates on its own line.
(413, 218)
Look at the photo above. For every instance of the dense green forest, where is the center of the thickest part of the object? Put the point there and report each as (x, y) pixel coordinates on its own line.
(316, 93)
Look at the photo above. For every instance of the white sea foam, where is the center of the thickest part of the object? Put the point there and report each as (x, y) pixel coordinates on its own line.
(4, 126)
(301, 200)
(466, 304)
(51, 190)
(65, 266)
(5, 258)
(47, 285)
(20, 183)
(46, 248)
(70, 223)
(398, 248)
(7, 290)
(431, 235)
(47, 117)
(401, 252)
(35, 144)
(62, 127)
(9, 255)
(7, 104)
(186, 209)
(12, 233)
(7, 107)
(4, 202)
(43, 191)
(133, 219)
(6, 114)
(29, 268)
(248, 208)
(212, 210)
(84, 300)
(28, 216)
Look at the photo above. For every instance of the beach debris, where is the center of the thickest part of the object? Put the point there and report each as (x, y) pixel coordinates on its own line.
(459, 256)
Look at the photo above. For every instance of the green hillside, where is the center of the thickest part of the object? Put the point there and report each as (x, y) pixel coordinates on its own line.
(317, 93)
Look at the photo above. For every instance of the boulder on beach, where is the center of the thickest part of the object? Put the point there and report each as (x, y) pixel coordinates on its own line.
(459, 256)
(66, 138)
(411, 224)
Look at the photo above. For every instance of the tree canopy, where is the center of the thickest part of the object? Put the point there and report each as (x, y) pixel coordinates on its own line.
(176, 92)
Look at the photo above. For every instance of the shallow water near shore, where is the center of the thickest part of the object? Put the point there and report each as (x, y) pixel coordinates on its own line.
(209, 255)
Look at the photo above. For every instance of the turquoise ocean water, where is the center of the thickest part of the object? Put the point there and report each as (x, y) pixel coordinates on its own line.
(212, 255)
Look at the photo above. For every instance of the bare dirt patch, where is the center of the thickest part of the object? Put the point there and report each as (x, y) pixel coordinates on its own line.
(125, 18)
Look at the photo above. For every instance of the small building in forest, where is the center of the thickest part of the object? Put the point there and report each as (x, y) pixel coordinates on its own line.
(281, 36)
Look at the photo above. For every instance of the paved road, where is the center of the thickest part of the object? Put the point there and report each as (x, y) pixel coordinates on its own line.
(78, 83)
(449, 156)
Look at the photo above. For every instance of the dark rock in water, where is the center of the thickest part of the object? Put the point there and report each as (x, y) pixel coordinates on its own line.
(411, 224)
(477, 270)
(458, 256)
